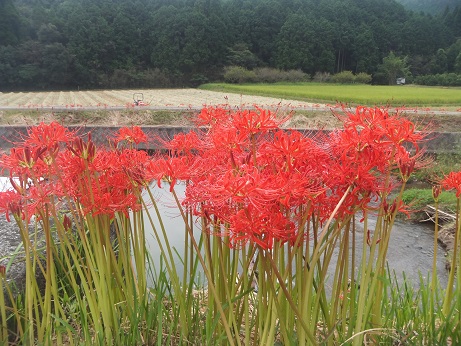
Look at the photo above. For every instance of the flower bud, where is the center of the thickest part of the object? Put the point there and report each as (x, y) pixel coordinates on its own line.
(67, 223)
(436, 191)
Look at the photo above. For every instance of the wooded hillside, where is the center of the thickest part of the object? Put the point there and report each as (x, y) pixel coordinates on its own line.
(62, 44)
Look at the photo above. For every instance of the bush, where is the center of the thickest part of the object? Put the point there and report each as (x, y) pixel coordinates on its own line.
(347, 77)
(296, 76)
(322, 77)
(362, 78)
(238, 74)
(268, 75)
(344, 77)
(440, 79)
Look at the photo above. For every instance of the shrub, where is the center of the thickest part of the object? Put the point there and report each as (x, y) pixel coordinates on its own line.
(363, 78)
(322, 77)
(441, 79)
(268, 75)
(344, 77)
(296, 76)
(347, 77)
(238, 74)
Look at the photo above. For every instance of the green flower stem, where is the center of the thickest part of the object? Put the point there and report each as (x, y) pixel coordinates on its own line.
(319, 247)
(211, 286)
(3, 326)
(340, 280)
(30, 283)
(353, 287)
(167, 254)
(447, 301)
(101, 276)
(73, 261)
(435, 248)
(292, 304)
(365, 268)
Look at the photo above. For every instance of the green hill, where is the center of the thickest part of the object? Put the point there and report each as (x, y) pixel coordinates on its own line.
(429, 6)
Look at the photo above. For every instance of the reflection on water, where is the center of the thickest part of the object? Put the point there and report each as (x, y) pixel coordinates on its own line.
(175, 230)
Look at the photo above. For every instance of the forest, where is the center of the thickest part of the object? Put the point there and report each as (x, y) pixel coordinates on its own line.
(94, 44)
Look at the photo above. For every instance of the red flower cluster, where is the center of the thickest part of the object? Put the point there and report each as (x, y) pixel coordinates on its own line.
(452, 182)
(131, 135)
(263, 183)
(254, 181)
(53, 164)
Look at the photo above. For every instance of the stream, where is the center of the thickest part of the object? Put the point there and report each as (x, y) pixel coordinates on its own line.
(410, 249)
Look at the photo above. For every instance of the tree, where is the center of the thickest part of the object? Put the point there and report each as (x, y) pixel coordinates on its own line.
(240, 55)
(9, 23)
(393, 67)
(305, 43)
(365, 53)
(458, 63)
(439, 61)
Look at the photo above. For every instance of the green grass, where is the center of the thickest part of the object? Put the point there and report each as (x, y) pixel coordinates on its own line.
(443, 164)
(392, 95)
(420, 198)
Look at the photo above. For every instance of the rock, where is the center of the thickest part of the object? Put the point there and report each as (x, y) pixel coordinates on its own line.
(447, 236)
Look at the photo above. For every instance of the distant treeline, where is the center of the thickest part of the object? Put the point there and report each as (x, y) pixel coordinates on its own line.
(66, 44)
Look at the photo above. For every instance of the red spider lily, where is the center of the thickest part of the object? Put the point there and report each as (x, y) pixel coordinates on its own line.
(452, 181)
(102, 186)
(227, 138)
(288, 152)
(108, 201)
(380, 127)
(183, 143)
(210, 116)
(131, 135)
(38, 200)
(134, 164)
(22, 157)
(396, 206)
(263, 228)
(171, 169)
(24, 162)
(10, 202)
(111, 182)
(48, 135)
(251, 122)
(84, 150)
(363, 117)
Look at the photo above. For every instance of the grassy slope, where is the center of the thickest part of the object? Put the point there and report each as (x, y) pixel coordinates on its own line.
(352, 94)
